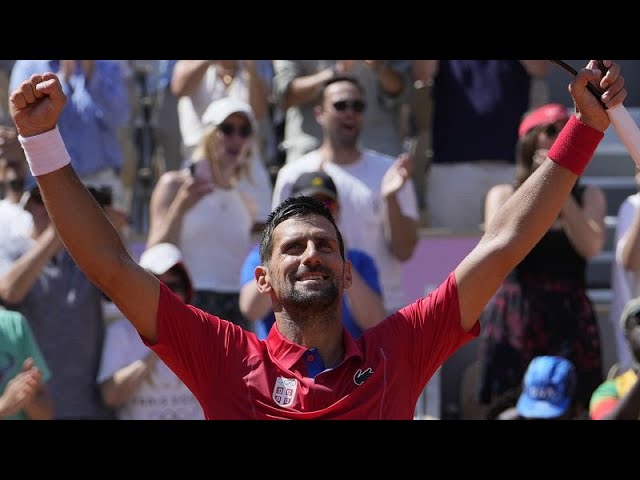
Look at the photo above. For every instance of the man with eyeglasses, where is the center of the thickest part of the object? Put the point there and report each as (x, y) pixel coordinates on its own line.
(308, 368)
(362, 305)
(132, 381)
(298, 84)
(379, 212)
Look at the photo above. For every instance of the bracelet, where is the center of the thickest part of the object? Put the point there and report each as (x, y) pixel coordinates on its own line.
(45, 152)
(575, 145)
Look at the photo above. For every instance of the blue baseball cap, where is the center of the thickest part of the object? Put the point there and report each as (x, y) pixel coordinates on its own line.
(548, 387)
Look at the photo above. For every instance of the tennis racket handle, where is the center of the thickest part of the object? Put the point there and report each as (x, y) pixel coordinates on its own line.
(627, 130)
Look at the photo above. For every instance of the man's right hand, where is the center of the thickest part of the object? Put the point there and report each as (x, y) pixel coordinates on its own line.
(36, 104)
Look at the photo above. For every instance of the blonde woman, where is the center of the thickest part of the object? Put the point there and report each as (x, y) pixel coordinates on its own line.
(201, 210)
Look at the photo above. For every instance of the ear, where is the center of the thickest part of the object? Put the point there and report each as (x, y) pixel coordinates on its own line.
(347, 278)
(318, 110)
(262, 279)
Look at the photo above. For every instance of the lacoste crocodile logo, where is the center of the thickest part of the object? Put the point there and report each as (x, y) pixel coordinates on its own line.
(360, 377)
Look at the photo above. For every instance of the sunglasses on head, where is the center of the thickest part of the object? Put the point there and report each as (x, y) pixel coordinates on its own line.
(357, 106)
(229, 129)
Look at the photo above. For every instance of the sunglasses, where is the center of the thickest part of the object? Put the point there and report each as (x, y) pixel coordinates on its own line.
(357, 106)
(229, 129)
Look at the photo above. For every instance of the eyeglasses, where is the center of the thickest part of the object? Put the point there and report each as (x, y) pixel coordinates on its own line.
(357, 106)
(229, 129)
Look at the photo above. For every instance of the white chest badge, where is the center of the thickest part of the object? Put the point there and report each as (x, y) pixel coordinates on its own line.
(284, 391)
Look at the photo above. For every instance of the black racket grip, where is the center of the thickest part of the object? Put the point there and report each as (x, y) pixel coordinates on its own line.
(595, 90)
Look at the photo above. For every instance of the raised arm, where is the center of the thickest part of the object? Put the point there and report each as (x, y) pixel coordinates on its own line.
(530, 211)
(584, 225)
(401, 231)
(86, 232)
(187, 74)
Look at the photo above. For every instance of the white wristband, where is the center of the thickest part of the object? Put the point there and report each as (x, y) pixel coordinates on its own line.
(45, 152)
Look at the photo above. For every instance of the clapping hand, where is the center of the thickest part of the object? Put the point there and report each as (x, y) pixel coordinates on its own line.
(397, 175)
(21, 389)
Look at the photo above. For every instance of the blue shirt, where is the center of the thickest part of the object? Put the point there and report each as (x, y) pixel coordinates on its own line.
(94, 112)
(362, 262)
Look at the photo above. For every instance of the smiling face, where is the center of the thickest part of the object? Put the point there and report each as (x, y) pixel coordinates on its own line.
(306, 272)
(341, 113)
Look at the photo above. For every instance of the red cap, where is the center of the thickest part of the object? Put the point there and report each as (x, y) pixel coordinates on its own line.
(544, 115)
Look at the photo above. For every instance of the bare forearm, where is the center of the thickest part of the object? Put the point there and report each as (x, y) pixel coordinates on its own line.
(78, 218)
(509, 236)
(18, 281)
(536, 68)
(187, 74)
(631, 247)
(7, 408)
(166, 226)
(118, 389)
(585, 233)
(391, 81)
(424, 71)
(258, 94)
(522, 220)
(306, 89)
(365, 304)
(401, 231)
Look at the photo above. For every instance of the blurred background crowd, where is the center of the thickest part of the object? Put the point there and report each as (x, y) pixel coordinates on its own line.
(188, 158)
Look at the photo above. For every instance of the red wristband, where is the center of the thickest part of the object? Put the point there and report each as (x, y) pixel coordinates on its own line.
(575, 145)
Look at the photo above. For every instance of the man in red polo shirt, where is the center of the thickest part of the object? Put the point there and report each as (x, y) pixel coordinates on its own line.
(309, 367)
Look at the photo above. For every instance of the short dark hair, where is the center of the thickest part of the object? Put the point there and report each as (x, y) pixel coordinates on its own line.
(340, 78)
(297, 206)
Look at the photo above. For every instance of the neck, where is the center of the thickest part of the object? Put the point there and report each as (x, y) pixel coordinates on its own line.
(317, 331)
(339, 155)
(13, 196)
(224, 177)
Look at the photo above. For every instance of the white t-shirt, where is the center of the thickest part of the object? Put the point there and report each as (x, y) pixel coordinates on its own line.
(14, 220)
(162, 396)
(625, 284)
(362, 210)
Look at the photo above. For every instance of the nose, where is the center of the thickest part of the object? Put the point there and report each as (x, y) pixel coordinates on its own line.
(311, 255)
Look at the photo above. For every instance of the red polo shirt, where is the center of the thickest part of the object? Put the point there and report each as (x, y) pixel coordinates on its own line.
(236, 376)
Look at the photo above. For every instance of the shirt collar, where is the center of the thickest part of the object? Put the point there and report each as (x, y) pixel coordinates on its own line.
(288, 353)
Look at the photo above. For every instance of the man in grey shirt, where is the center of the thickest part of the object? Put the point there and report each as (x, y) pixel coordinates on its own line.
(39, 279)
